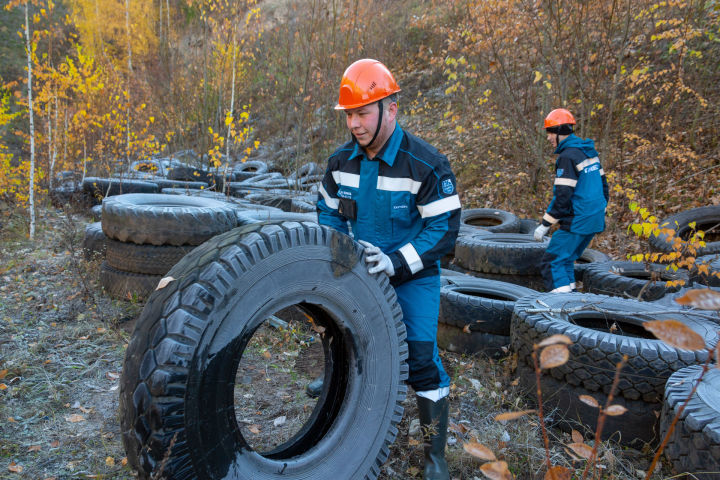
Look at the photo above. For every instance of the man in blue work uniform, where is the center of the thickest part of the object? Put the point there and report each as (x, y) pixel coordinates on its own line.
(580, 197)
(398, 195)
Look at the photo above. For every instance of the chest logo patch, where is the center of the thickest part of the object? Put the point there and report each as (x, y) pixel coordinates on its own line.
(447, 186)
(560, 172)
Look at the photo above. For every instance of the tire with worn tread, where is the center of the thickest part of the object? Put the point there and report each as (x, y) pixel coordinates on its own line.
(486, 306)
(630, 279)
(176, 389)
(127, 285)
(159, 219)
(147, 259)
(491, 219)
(705, 219)
(602, 330)
(506, 253)
(694, 445)
(94, 242)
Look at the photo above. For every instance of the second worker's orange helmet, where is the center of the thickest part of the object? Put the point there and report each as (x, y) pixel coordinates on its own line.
(558, 117)
(364, 82)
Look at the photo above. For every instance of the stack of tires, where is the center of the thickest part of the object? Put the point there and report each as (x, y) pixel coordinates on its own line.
(148, 233)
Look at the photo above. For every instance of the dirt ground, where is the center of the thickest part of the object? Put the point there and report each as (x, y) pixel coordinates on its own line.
(62, 344)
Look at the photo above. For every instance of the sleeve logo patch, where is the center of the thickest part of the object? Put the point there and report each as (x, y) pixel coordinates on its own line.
(560, 172)
(447, 186)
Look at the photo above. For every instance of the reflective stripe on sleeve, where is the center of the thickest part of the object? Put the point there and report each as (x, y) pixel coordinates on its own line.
(411, 257)
(586, 163)
(346, 179)
(602, 172)
(398, 184)
(440, 206)
(566, 181)
(549, 218)
(329, 201)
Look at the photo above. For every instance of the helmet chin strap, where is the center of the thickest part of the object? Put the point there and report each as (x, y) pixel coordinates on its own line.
(377, 130)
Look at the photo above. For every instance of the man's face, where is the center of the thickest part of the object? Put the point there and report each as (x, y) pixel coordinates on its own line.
(551, 137)
(362, 122)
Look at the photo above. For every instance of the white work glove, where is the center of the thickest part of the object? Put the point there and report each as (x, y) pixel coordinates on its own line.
(540, 232)
(374, 255)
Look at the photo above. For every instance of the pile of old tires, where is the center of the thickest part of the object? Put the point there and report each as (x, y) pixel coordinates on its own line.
(146, 234)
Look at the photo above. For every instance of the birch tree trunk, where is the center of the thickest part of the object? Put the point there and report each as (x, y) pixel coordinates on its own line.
(232, 106)
(127, 97)
(31, 199)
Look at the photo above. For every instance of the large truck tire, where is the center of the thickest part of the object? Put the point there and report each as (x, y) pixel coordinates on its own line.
(694, 445)
(95, 242)
(602, 330)
(176, 396)
(159, 219)
(506, 253)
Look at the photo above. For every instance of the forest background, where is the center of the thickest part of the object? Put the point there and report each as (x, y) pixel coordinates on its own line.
(120, 80)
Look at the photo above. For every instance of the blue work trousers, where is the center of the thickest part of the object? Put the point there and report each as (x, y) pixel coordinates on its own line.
(419, 300)
(558, 262)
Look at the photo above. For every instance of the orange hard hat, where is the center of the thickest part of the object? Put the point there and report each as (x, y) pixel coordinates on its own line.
(364, 82)
(558, 117)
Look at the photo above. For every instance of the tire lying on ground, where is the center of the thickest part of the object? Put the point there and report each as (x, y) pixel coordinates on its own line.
(490, 219)
(506, 253)
(483, 305)
(177, 386)
(475, 314)
(589, 256)
(630, 279)
(105, 187)
(94, 242)
(527, 225)
(706, 219)
(694, 445)
(602, 330)
(159, 219)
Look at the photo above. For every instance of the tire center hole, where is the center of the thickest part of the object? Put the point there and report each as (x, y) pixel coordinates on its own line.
(482, 294)
(616, 326)
(281, 360)
(483, 222)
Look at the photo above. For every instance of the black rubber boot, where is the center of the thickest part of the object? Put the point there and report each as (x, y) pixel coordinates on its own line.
(434, 423)
(315, 388)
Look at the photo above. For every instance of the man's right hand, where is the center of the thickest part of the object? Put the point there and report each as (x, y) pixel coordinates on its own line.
(540, 232)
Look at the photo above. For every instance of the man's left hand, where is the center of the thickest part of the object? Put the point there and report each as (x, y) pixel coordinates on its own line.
(373, 254)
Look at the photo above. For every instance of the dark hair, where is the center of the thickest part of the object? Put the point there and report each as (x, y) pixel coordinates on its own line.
(564, 129)
(393, 98)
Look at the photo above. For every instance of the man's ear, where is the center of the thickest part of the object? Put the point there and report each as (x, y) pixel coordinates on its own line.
(392, 110)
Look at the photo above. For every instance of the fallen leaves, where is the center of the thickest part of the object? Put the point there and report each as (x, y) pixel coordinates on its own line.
(512, 415)
(15, 468)
(496, 471)
(704, 299)
(479, 450)
(615, 410)
(164, 282)
(588, 400)
(75, 418)
(676, 334)
(581, 449)
(558, 472)
(554, 356)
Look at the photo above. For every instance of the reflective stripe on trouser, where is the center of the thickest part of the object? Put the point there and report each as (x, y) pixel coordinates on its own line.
(558, 262)
(419, 300)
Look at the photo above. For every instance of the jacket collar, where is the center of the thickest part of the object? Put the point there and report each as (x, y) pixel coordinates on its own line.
(388, 152)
